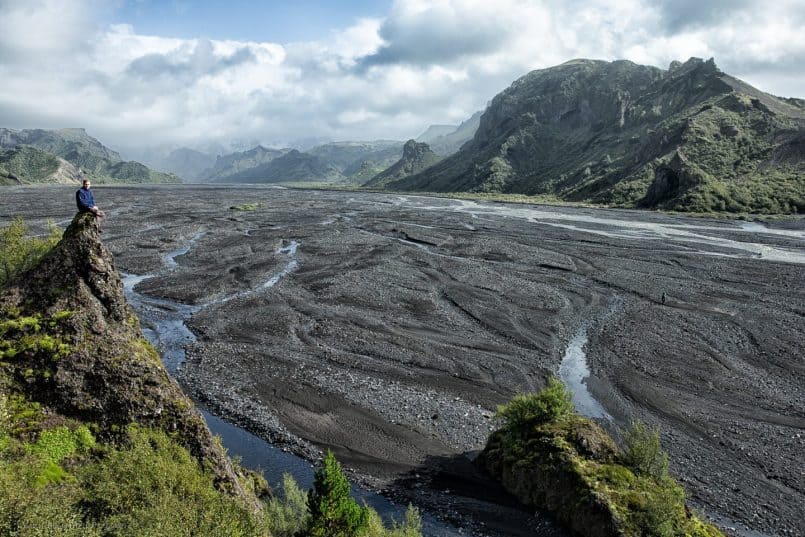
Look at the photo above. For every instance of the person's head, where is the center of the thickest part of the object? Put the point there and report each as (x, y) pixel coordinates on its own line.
(85, 184)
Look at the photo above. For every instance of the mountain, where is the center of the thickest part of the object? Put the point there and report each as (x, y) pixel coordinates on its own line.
(189, 164)
(446, 140)
(435, 131)
(416, 157)
(688, 138)
(330, 162)
(292, 166)
(27, 165)
(235, 163)
(359, 161)
(82, 150)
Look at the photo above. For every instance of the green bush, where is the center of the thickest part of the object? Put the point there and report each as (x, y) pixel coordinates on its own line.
(552, 403)
(333, 512)
(18, 252)
(643, 452)
(287, 516)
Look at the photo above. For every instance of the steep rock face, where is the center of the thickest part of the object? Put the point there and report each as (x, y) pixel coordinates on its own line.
(446, 142)
(97, 368)
(415, 158)
(603, 132)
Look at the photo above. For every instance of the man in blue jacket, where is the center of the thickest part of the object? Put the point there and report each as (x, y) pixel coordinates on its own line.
(86, 201)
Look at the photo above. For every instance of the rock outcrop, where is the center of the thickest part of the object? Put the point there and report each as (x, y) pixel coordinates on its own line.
(79, 351)
(415, 158)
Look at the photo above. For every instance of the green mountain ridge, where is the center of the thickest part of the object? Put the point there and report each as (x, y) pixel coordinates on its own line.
(28, 165)
(75, 146)
(688, 138)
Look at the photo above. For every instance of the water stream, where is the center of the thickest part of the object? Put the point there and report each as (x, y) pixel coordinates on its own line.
(574, 372)
(165, 326)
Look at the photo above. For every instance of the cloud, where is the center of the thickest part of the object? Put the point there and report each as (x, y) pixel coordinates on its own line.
(425, 62)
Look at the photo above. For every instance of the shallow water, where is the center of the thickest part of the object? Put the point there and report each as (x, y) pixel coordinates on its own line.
(574, 373)
(166, 328)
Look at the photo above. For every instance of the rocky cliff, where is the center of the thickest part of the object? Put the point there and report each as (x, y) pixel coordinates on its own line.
(71, 346)
(689, 138)
(415, 158)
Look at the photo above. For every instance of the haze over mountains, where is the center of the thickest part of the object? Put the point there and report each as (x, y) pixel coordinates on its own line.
(688, 138)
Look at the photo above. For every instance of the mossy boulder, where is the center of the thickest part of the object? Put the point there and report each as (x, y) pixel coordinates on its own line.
(574, 469)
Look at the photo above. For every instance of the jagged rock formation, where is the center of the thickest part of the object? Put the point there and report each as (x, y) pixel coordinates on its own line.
(415, 158)
(86, 359)
(83, 151)
(690, 138)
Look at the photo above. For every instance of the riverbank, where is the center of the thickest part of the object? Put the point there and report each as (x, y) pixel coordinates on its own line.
(409, 319)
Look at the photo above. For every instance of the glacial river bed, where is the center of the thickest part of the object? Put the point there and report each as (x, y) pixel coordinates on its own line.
(389, 327)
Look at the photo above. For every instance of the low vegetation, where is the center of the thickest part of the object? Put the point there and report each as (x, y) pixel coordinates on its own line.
(550, 457)
(248, 206)
(19, 251)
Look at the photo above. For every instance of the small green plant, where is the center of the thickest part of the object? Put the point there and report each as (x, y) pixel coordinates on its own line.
(333, 512)
(19, 252)
(643, 452)
(552, 403)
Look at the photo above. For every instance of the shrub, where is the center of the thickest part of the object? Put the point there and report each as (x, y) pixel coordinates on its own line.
(18, 252)
(552, 403)
(287, 516)
(643, 452)
(333, 512)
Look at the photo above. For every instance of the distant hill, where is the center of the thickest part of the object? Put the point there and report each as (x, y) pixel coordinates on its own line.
(28, 165)
(79, 149)
(293, 166)
(688, 138)
(446, 139)
(435, 131)
(189, 164)
(236, 163)
(416, 157)
(332, 162)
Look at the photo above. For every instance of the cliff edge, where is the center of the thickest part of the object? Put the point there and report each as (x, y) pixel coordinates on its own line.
(71, 346)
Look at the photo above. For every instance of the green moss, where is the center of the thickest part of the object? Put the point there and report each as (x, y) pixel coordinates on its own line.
(571, 466)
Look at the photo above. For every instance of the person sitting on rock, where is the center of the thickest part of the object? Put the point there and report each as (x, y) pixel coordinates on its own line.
(86, 201)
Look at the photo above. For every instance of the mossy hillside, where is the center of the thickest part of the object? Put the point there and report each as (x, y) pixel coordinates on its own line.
(567, 464)
(591, 131)
(25, 164)
(39, 149)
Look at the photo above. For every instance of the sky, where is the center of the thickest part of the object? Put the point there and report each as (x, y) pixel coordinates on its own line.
(143, 73)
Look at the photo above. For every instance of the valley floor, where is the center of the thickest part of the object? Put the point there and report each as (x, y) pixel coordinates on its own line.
(388, 328)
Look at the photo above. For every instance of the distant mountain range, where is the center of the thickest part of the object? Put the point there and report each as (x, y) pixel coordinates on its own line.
(336, 162)
(447, 139)
(688, 138)
(48, 156)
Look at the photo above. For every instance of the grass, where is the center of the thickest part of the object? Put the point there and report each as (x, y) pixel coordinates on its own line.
(553, 458)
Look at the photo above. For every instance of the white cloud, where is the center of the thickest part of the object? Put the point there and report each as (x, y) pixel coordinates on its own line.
(426, 62)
